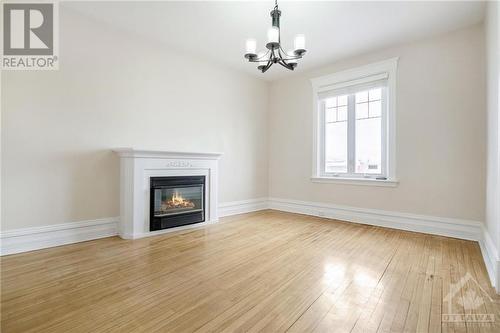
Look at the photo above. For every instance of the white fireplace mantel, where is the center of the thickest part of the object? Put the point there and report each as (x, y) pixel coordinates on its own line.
(142, 153)
(137, 166)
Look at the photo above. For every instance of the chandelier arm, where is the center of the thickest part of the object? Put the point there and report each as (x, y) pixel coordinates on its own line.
(287, 56)
(275, 57)
(265, 57)
(280, 56)
(261, 59)
(287, 66)
(292, 58)
(279, 52)
(269, 64)
(270, 61)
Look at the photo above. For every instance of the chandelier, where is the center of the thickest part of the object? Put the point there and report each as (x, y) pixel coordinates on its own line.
(275, 53)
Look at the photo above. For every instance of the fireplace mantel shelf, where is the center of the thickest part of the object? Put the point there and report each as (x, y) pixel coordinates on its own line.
(144, 153)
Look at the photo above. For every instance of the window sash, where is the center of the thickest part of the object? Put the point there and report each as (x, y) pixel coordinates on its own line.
(351, 131)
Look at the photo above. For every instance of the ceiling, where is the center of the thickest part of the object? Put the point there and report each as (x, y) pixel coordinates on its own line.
(334, 30)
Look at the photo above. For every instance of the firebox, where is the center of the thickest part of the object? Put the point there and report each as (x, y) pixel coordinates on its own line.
(176, 201)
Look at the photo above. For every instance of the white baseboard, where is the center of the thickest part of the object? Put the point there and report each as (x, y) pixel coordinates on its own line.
(491, 259)
(243, 206)
(457, 228)
(29, 239)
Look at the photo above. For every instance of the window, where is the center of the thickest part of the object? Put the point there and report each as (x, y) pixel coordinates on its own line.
(354, 131)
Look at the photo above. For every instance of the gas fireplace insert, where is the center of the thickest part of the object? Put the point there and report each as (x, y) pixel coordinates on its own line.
(176, 201)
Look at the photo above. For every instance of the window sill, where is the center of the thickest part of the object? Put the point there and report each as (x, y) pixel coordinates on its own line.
(356, 181)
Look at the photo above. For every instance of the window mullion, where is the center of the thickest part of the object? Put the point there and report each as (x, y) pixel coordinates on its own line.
(322, 116)
(384, 123)
(351, 133)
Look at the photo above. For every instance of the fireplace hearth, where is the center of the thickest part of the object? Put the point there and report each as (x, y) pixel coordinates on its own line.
(176, 201)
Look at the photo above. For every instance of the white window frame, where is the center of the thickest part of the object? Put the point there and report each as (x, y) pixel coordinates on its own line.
(383, 70)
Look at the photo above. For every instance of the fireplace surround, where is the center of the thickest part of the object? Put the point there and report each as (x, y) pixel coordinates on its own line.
(139, 169)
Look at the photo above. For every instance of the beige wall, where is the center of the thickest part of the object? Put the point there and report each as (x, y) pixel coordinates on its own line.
(114, 90)
(440, 132)
(493, 80)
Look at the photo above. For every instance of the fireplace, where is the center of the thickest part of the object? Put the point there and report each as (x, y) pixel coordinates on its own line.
(141, 172)
(176, 201)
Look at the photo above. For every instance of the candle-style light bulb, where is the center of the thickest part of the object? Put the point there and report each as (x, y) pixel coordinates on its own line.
(273, 34)
(300, 42)
(251, 46)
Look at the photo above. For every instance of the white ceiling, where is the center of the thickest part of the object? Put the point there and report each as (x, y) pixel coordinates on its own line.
(334, 30)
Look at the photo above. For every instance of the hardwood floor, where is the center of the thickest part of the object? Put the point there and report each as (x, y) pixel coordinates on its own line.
(266, 271)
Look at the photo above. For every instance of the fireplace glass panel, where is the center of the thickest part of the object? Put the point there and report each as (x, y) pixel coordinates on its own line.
(169, 201)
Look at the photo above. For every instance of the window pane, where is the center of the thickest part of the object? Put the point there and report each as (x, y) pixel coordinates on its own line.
(331, 102)
(330, 115)
(375, 109)
(361, 110)
(336, 147)
(342, 113)
(368, 146)
(362, 96)
(342, 100)
(375, 94)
